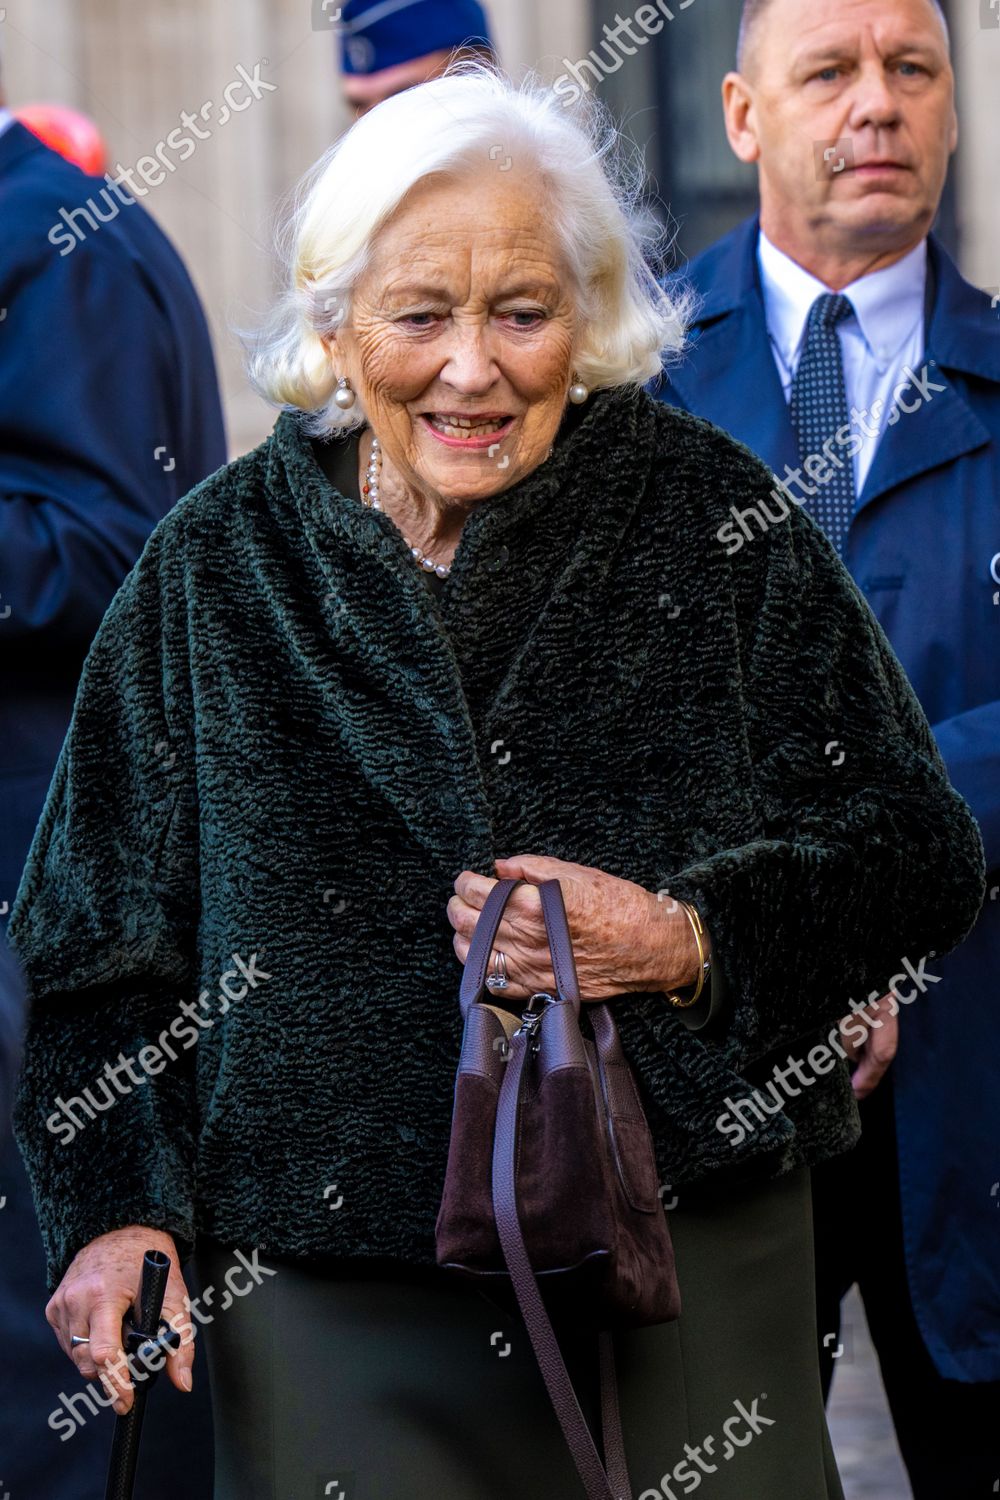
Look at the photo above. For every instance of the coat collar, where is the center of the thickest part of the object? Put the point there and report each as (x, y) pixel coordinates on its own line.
(730, 356)
(961, 340)
(16, 142)
(428, 675)
(615, 429)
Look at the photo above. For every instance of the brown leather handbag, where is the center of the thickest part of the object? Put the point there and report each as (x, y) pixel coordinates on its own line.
(551, 1185)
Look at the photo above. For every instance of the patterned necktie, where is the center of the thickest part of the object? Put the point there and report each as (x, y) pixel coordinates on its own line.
(818, 409)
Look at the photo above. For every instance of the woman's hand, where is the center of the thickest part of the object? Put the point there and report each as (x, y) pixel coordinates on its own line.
(100, 1284)
(624, 939)
(874, 1052)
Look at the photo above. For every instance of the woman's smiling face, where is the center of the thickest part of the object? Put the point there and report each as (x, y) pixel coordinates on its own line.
(461, 336)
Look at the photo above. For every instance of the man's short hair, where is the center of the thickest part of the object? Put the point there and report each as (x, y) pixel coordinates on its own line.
(753, 10)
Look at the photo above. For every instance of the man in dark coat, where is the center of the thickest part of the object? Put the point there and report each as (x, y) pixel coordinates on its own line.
(883, 419)
(109, 412)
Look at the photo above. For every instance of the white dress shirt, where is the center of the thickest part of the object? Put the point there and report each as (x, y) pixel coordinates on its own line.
(6, 118)
(883, 340)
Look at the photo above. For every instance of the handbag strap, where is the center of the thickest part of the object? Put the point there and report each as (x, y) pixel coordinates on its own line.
(560, 945)
(477, 960)
(600, 1483)
(474, 974)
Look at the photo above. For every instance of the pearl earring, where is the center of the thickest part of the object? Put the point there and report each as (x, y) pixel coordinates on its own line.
(344, 395)
(578, 392)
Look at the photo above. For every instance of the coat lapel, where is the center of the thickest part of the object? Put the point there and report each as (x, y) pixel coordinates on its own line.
(531, 562)
(942, 429)
(960, 339)
(728, 375)
(414, 684)
(367, 627)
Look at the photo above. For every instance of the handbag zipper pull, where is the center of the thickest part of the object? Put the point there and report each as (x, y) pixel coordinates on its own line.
(531, 1018)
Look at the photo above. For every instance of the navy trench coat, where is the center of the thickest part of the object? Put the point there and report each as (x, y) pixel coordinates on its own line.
(109, 412)
(924, 547)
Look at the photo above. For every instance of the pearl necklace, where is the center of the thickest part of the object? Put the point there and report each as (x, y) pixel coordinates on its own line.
(369, 494)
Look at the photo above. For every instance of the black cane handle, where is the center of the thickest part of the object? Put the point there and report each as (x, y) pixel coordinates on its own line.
(142, 1335)
(152, 1288)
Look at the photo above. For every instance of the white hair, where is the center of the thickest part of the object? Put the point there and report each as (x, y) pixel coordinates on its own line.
(471, 118)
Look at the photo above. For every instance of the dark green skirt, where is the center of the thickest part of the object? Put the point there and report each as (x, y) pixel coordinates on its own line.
(409, 1386)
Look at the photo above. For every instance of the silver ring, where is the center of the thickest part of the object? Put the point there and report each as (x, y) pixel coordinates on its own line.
(498, 981)
(75, 1341)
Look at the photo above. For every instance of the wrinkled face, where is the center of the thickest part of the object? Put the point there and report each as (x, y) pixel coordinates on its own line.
(869, 83)
(461, 334)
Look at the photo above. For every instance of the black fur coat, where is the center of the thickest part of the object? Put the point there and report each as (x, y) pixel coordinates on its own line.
(284, 749)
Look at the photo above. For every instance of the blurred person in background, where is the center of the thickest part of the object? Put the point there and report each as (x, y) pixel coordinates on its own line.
(109, 411)
(389, 45)
(73, 135)
(838, 340)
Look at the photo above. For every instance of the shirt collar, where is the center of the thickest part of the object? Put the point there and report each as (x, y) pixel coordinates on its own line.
(887, 303)
(6, 118)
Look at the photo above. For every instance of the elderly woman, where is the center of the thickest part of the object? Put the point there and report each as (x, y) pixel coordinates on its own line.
(466, 613)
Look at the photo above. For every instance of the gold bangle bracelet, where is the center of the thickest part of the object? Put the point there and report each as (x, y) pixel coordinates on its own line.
(704, 964)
